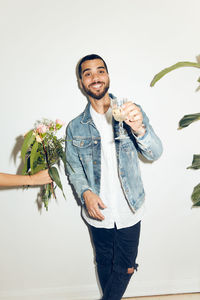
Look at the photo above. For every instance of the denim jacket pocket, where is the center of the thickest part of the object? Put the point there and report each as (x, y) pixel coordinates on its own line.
(83, 146)
(82, 143)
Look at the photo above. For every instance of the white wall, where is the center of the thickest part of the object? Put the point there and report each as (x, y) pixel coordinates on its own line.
(48, 255)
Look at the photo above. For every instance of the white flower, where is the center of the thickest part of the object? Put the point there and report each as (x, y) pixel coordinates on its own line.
(38, 139)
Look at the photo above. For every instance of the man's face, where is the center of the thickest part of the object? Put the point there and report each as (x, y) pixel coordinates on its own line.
(95, 80)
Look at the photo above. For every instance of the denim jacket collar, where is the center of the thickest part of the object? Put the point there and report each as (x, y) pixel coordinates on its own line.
(86, 114)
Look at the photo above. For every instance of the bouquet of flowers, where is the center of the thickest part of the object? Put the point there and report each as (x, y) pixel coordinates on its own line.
(42, 149)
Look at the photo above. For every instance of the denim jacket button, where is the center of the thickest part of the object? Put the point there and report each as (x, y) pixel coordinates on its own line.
(95, 162)
(82, 143)
(95, 142)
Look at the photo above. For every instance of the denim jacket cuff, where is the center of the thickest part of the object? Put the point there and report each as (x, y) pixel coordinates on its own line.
(144, 141)
(139, 138)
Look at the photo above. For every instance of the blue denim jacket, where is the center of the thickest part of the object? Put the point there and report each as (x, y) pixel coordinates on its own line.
(83, 153)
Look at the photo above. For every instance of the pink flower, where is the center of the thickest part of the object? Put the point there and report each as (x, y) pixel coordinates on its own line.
(41, 128)
(59, 122)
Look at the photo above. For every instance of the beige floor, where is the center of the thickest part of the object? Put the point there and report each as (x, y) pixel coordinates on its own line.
(195, 296)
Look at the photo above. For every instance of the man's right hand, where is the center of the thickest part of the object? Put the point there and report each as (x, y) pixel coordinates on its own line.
(93, 203)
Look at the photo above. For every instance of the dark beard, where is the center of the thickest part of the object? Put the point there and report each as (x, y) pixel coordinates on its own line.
(99, 96)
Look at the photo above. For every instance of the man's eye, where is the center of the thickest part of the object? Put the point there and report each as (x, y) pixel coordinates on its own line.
(87, 74)
(101, 71)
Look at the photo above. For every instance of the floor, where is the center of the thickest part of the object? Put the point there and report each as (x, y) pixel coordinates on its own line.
(194, 296)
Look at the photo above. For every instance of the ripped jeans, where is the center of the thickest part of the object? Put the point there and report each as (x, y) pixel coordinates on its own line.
(116, 252)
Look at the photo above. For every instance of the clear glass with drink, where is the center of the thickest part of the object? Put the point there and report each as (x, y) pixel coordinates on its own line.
(119, 115)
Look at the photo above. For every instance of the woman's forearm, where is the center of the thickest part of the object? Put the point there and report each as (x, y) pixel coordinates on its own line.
(39, 178)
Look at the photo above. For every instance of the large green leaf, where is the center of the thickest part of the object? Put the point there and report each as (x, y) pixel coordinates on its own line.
(33, 154)
(39, 167)
(196, 195)
(196, 162)
(62, 156)
(188, 119)
(28, 140)
(26, 166)
(173, 67)
(38, 159)
(53, 172)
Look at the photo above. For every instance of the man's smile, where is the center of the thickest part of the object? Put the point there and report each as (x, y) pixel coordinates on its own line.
(97, 85)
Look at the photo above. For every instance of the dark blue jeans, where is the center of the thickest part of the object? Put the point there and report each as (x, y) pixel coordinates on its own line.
(116, 251)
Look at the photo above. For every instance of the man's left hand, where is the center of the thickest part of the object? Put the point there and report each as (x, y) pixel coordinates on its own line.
(134, 118)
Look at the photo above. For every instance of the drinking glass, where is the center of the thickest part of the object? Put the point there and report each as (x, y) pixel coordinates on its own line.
(119, 115)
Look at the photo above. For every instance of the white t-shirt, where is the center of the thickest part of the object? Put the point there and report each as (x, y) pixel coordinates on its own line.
(118, 211)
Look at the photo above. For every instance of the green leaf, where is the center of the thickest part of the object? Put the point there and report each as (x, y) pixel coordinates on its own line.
(173, 67)
(46, 195)
(63, 156)
(53, 172)
(196, 162)
(188, 119)
(28, 140)
(26, 167)
(38, 159)
(39, 168)
(69, 166)
(33, 154)
(196, 195)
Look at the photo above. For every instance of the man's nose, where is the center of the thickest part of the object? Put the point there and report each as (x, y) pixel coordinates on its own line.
(95, 77)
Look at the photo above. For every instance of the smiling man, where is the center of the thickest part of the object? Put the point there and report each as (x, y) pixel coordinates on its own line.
(105, 174)
(95, 87)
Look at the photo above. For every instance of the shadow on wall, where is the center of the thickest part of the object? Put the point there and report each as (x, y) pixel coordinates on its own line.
(15, 152)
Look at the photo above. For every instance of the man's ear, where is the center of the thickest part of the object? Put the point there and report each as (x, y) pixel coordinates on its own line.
(80, 83)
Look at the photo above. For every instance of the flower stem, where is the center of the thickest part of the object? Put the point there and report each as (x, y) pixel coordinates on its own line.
(52, 190)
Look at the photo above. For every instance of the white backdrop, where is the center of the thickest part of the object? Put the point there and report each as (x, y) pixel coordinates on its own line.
(48, 255)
